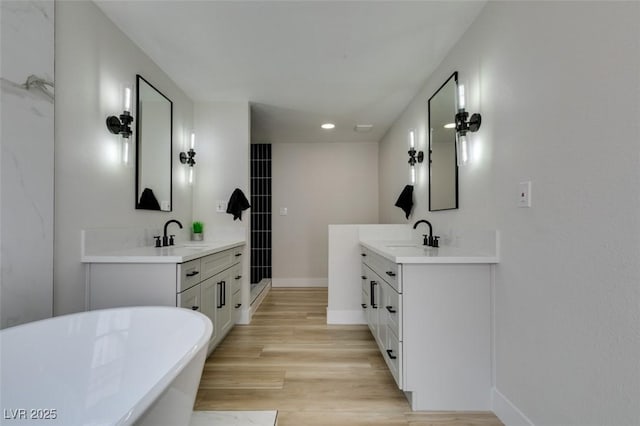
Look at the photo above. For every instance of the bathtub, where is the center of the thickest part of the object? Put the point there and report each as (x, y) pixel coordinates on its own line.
(123, 366)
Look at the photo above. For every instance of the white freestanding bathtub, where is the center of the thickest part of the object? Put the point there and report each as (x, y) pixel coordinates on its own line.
(122, 366)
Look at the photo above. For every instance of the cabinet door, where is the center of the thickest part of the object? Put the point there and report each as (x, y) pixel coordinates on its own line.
(224, 311)
(208, 293)
(374, 305)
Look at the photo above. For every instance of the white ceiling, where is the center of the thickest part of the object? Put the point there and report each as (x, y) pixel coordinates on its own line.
(299, 63)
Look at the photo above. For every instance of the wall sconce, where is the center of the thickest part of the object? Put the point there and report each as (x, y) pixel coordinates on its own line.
(414, 156)
(188, 157)
(464, 124)
(121, 125)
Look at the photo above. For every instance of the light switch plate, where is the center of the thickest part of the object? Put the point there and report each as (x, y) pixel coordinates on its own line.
(283, 211)
(524, 194)
(221, 206)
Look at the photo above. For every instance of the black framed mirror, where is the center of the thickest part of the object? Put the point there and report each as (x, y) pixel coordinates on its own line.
(154, 140)
(443, 167)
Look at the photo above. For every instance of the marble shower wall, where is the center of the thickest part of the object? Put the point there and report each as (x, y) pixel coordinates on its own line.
(26, 181)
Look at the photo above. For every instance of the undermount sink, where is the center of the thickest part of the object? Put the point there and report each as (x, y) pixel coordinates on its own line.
(392, 246)
(187, 248)
(195, 244)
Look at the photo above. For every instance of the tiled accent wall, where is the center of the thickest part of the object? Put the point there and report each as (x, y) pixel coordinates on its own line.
(260, 212)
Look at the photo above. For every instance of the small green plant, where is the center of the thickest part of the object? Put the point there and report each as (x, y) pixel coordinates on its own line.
(197, 227)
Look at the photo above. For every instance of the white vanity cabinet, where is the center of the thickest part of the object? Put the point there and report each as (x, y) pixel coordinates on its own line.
(209, 284)
(432, 323)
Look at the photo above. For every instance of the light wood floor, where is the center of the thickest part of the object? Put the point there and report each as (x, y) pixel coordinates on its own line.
(290, 360)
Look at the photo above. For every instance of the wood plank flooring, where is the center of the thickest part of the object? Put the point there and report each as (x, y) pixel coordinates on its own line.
(314, 374)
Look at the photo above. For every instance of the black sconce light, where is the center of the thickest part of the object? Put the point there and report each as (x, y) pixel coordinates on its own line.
(188, 157)
(122, 125)
(414, 156)
(465, 124)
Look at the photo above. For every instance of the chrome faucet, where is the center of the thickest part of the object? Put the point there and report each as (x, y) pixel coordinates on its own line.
(429, 240)
(168, 241)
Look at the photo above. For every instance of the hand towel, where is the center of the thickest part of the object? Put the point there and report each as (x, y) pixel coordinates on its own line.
(237, 203)
(405, 200)
(148, 201)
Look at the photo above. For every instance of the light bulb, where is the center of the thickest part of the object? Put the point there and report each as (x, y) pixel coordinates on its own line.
(412, 138)
(125, 151)
(413, 175)
(193, 140)
(463, 150)
(127, 99)
(190, 175)
(461, 97)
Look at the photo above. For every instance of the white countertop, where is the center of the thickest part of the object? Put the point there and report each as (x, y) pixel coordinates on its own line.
(180, 253)
(407, 251)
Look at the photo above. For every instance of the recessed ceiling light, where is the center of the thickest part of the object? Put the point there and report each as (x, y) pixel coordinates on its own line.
(328, 126)
(450, 125)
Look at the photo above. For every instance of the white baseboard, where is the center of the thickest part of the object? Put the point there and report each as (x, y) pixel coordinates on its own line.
(345, 317)
(299, 282)
(506, 411)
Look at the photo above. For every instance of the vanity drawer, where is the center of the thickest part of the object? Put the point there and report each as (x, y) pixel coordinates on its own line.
(237, 301)
(393, 356)
(388, 270)
(236, 277)
(365, 276)
(217, 262)
(391, 305)
(238, 253)
(189, 299)
(189, 274)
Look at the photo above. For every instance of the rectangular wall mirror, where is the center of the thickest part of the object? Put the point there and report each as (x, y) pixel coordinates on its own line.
(154, 134)
(443, 167)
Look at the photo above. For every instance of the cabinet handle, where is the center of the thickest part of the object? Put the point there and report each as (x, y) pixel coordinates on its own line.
(372, 284)
(219, 305)
(238, 277)
(391, 273)
(363, 277)
(390, 309)
(195, 308)
(238, 305)
(390, 354)
(193, 274)
(364, 306)
(238, 254)
(363, 254)
(224, 293)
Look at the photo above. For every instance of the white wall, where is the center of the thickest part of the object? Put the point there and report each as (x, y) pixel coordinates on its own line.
(26, 243)
(319, 184)
(558, 86)
(92, 189)
(222, 164)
